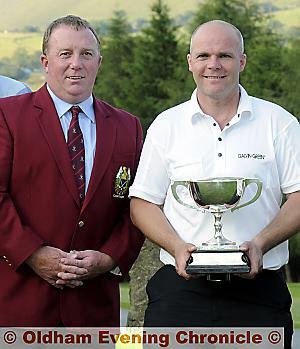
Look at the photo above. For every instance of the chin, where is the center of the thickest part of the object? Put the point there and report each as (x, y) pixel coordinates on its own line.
(78, 96)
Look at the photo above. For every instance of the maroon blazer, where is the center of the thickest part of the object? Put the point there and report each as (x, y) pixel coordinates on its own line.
(39, 205)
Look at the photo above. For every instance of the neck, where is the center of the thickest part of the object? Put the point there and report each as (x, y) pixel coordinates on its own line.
(222, 110)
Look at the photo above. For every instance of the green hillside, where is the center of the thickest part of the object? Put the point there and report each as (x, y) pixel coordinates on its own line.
(12, 43)
(289, 17)
(18, 14)
(13, 36)
(39, 13)
(20, 17)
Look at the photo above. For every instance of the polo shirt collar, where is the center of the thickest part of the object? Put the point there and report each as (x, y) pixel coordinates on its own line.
(244, 107)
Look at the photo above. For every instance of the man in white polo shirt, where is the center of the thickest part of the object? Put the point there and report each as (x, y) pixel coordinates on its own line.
(221, 131)
(11, 87)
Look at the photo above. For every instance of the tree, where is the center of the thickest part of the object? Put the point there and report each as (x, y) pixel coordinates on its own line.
(181, 85)
(245, 15)
(265, 69)
(21, 64)
(143, 269)
(156, 57)
(289, 81)
(155, 62)
(263, 46)
(117, 52)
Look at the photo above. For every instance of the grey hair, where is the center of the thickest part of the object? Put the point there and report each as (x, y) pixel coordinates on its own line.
(239, 34)
(70, 21)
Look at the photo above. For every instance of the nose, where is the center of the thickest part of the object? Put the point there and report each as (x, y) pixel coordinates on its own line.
(214, 63)
(75, 62)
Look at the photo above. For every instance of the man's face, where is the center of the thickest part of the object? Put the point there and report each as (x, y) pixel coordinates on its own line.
(71, 63)
(216, 60)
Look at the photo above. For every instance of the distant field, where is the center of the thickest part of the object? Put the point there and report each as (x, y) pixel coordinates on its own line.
(289, 18)
(10, 43)
(16, 14)
(35, 12)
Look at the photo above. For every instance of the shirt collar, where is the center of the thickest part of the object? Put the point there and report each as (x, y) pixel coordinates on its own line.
(244, 107)
(63, 107)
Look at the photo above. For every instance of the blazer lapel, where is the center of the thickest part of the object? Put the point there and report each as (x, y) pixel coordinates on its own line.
(105, 141)
(51, 129)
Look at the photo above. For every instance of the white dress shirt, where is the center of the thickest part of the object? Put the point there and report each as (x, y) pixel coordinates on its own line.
(87, 124)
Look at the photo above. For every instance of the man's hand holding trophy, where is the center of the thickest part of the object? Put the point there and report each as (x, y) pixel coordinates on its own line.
(217, 256)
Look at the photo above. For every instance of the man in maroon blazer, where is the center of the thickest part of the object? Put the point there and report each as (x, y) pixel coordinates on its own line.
(61, 256)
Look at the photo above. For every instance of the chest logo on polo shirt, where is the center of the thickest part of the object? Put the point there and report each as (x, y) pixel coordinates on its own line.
(251, 156)
(122, 182)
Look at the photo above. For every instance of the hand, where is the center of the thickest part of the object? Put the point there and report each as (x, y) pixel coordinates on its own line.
(255, 256)
(183, 252)
(94, 262)
(46, 262)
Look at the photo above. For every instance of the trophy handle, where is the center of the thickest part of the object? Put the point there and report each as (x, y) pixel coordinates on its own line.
(174, 186)
(255, 197)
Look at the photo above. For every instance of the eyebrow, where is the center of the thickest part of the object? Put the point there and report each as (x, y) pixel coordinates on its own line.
(204, 52)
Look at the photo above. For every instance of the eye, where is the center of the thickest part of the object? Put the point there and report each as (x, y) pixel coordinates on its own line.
(202, 56)
(225, 55)
(65, 54)
(87, 54)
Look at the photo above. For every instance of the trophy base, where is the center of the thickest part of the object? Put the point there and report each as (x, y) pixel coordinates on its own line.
(218, 262)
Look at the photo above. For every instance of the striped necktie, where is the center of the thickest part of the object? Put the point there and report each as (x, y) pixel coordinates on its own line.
(76, 150)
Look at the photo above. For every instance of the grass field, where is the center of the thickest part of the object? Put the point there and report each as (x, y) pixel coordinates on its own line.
(289, 18)
(37, 13)
(18, 14)
(293, 287)
(295, 291)
(40, 14)
(11, 43)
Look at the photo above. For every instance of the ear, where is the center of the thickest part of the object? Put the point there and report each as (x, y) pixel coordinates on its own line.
(188, 57)
(100, 61)
(44, 62)
(243, 61)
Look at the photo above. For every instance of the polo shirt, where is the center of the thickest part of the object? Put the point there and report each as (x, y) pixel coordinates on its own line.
(183, 143)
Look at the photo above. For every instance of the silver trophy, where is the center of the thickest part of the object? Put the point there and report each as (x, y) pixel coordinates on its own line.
(216, 195)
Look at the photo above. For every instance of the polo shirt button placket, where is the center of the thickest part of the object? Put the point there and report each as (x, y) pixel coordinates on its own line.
(220, 153)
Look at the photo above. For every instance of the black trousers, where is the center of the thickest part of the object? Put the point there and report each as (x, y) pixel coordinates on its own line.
(264, 301)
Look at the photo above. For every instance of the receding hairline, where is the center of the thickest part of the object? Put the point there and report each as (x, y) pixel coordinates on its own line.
(218, 21)
(70, 21)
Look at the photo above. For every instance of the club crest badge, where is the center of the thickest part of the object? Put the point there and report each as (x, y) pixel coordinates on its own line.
(122, 182)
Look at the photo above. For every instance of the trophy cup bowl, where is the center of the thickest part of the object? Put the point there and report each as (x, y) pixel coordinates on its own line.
(217, 195)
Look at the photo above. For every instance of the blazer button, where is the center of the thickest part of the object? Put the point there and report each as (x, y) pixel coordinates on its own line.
(80, 224)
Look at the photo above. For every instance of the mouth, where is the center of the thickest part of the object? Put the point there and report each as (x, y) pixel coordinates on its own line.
(212, 77)
(74, 78)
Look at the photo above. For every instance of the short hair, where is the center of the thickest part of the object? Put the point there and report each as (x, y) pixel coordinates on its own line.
(239, 34)
(70, 21)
